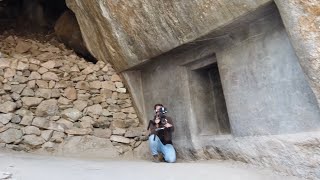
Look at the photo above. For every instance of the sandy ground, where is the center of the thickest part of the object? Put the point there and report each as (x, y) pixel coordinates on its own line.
(24, 166)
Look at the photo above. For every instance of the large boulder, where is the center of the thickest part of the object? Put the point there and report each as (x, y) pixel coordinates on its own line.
(127, 33)
(88, 146)
(68, 31)
(301, 19)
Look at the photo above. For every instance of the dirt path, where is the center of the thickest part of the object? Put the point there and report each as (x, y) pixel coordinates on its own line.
(34, 167)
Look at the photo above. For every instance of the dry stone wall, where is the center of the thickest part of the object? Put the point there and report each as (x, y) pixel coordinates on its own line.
(51, 98)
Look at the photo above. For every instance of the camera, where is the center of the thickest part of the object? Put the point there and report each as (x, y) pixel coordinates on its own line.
(162, 111)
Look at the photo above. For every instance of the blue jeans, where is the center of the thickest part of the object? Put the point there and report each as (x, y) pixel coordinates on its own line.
(167, 150)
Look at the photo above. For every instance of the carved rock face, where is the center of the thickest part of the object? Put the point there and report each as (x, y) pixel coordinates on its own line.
(126, 33)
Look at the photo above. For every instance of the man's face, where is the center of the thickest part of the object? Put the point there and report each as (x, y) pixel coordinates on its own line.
(157, 109)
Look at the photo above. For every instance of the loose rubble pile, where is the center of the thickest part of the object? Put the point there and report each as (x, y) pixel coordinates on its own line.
(48, 94)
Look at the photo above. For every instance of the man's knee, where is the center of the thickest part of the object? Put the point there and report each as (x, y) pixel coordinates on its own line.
(171, 159)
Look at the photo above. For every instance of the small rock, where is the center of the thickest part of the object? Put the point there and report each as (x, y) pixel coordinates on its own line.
(31, 101)
(132, 116)
(33, 67)
(6, 87)
(52, 84)
(42, 84)
(44, 93)
(71, 113)
(7, 107)
(22, 66)
(80, 105)
(11, 135)
(84, 124)
(46, 134)
(18, 88)
(33, 140)
(8, 73)
(16, 119)
(118, 131)
(113, 108)
(78, 131)
(119, 84)
(134, 132)
(48, 145)
(57, 137)
(106, 93)
(119, 115)
(101, 123)
(50, 76)
(108, 85)
(55, 93)
(42, 70)
(121, 90)
(27, 92)
(120, 123)
(106, 113)
(48, 108)
(74, 68)
(70, 93)
(34, 76)
(102, 133)
(79, 78)
(49, 64)
(95, 109)
(31, 84)
(22, 47)
(63, 100)
(54, 118)
(24, 112)
(97, 99)
(5, 118)
(115, 77)
(66, 123)
(83, 85)
(40, 122)
(120, 139)
(4, 63)
(128, 110)
(31, 130)
(105, 69)
(26, 120)
(87, 70)
(95, 84)
(61, 84)
(84, 97)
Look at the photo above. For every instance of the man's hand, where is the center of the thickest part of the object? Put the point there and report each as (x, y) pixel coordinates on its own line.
(167, 125)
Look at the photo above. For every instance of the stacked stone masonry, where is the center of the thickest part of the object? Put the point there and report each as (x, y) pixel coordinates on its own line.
(50, 96)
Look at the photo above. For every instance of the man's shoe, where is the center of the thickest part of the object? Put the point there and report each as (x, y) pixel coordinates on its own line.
(155, 158)
(161, 158)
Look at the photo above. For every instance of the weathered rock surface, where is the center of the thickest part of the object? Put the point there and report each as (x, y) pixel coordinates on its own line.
(53, 100)
(88, 146)
(301, 19)
(120, 139)
(47, 108)
(11, 135)
(132, 35)
(71, 113)
(33, 140)
(5, 118)
(68, 31)
(7, 107)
